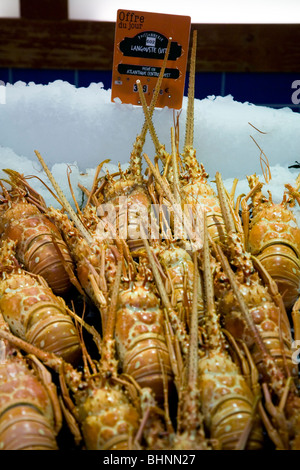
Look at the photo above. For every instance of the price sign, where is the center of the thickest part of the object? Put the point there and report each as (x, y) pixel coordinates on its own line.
(141, 40)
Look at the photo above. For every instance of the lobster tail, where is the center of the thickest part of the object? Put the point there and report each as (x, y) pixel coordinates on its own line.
(140, 338)
(228, 404)
(22, 427)
(283, 265)
(26, 415)
(35, 314)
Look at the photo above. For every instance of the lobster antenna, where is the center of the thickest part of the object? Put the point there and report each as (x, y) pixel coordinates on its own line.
(67, 206)
(189, 160)
(242, 303)
(95, 181)
(214, 334)
(110, 324)
(226, 212)
(193, 235)
(193, 348)
(266, 172)
(157, 88)
(108, 360)
(189, 130)
(135, 157)
(159, 148)
(149, 122)
(176, 323)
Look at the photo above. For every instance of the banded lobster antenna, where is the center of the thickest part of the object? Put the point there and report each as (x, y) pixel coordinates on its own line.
(157, 88)
(189, 129)
(67, 206)
(160, 150)
(214, 334)
(176, 182)
(231, 221)
(135, 157)
(226, 212)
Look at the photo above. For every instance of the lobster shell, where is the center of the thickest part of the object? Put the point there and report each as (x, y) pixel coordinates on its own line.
(40, 247)
(140, 338)
(36, 315)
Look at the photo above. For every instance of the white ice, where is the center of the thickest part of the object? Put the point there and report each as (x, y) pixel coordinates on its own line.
(77, 128)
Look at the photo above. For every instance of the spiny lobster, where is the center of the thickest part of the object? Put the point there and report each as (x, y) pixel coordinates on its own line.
(30, 414)
(32, 311)
(273, 236)
(252, 309)
(103, 409)
(227, 400)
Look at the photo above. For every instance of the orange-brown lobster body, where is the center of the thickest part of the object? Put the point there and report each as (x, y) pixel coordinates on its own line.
(28, 420)
(178, 267)
(253, 311)
(274, 237)
(95, 261)
(227, 401)
(131, 205)
(40, 247)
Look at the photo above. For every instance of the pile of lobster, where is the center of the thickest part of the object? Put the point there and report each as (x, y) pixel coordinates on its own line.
(161, 314)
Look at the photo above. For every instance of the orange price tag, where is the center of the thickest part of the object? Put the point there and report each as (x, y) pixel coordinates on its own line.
(141, 40)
